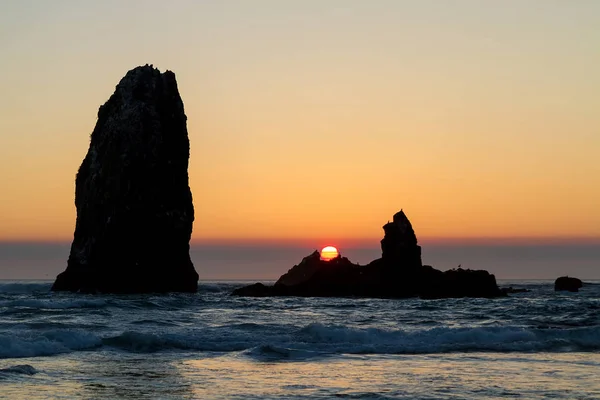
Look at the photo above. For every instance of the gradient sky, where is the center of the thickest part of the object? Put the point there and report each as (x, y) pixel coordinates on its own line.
(321, 119)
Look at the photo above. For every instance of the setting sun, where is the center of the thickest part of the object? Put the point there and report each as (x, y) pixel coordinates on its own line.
(328, 253)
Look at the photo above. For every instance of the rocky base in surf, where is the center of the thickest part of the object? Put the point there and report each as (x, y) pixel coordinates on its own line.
(399, 273)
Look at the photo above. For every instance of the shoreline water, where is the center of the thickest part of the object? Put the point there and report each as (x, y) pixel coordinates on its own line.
(537, 344)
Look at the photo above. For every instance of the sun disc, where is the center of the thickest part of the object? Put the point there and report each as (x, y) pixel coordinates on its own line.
(328, 253)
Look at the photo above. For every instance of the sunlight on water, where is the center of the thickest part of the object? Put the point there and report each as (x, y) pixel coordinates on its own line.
(243, 376)
(473, 376)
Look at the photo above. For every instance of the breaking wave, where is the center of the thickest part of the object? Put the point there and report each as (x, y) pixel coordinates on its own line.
(314, 340)
(442, 340)
(35, 322)
(45, 344)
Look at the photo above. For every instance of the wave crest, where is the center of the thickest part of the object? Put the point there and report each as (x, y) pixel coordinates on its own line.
(48, 343)
(443, 340)
(314, 340)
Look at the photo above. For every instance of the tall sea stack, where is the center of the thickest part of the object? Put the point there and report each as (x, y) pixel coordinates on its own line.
(133, 200)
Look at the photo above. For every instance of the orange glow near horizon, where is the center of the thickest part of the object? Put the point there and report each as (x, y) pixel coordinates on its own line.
(311, 120)
(329, 253)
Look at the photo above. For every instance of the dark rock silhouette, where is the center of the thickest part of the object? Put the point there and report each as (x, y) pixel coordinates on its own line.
(567, 283)
(399, 273)
(133, 200)
(399, 244)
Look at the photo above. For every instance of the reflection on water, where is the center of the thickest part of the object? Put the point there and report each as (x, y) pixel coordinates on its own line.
(134, 377)
(111, 375)
(99, 376)
(473, 376)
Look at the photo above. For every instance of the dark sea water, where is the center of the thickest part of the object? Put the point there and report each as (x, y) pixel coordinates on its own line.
(534, 345)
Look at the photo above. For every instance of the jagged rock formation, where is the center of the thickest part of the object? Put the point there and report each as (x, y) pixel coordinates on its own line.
(567, 284)
(133, 200)
(399, 244)
(303, 271)
(398, 273)
(311, 277)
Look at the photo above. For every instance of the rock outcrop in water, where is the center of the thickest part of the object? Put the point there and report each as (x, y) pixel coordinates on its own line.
(567, 284)
(399, 273)
(133, 200)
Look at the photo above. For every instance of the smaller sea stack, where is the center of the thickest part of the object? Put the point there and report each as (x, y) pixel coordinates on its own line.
(133, 200)
(399, 273)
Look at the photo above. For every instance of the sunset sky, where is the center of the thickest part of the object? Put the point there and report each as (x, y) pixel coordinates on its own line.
(319, 119)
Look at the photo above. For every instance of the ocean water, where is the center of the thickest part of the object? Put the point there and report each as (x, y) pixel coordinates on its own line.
(209, 345)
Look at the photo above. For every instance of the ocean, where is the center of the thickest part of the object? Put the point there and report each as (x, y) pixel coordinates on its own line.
(534, 345)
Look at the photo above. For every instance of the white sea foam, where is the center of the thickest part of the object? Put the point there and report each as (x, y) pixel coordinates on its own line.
(314, 340)
(342, 339)
(48, 343)
(41, 324)
(209, 341)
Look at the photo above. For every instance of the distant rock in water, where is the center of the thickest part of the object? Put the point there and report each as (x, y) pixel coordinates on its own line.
(567, 284)
(398, 273)
(133, 200)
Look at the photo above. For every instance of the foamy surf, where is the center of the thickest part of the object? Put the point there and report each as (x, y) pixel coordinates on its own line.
(313, 340)
(215, 338)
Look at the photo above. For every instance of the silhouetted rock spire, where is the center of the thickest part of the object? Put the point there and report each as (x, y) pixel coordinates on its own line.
(133, 200)
(399, 244)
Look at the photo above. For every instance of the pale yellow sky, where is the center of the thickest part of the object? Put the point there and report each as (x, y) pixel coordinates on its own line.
(321, 119)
